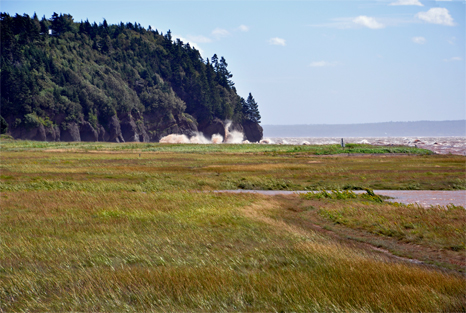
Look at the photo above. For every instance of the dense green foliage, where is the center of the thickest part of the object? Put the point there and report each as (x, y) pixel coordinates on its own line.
(251, 109)
(55, 71)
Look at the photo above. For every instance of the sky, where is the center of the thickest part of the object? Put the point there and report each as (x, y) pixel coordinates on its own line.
(313, 62)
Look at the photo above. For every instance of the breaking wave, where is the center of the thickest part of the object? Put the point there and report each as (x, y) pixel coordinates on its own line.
(231, 137)
(441, 145)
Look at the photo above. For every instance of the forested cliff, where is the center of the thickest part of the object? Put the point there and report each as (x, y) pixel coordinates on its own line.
(69, 81)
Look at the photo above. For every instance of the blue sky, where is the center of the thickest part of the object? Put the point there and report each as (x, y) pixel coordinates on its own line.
(314, 62)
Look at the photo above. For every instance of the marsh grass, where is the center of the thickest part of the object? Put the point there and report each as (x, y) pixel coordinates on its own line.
(93, 251)
(150, 171)
(343, 194)
(25, 145)
(440, 227)
(128, 230)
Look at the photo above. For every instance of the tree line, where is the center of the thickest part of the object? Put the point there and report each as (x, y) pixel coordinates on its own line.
(57, 70)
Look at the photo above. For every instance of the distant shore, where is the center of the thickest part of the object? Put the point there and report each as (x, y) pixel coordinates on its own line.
(438, 144)
(388, 129)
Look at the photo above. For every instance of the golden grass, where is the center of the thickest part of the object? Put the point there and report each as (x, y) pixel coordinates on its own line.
(85, 251)
(24, 171)
(439, 227)
(117, 231)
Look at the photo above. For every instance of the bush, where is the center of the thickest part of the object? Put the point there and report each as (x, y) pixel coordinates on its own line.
(31, 120)
(3, 125)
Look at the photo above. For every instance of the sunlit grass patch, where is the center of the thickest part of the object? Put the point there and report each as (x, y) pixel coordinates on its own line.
(96, 251)
(441, 227)
(437, 226)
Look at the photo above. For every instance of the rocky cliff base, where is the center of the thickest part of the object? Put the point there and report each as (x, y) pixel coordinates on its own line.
(137, 128)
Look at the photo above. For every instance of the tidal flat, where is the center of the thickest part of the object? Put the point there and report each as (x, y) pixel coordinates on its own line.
(112, 227)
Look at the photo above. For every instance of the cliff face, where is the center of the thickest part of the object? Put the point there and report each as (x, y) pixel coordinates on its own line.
(128, 128)
(116, 83)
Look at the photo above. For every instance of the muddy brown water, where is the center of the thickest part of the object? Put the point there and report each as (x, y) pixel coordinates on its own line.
(424, 198)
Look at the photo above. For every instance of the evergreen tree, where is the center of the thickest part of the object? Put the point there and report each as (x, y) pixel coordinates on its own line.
(252, 110)
(61, 23)
(225, 75)
(168, 36)
(44, 25)
(214, 62)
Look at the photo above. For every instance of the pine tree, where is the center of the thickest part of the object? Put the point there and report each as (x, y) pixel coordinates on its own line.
(214, 62)
(252, 110)
(225, 75)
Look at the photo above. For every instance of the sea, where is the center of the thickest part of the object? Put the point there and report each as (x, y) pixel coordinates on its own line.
(440, 145)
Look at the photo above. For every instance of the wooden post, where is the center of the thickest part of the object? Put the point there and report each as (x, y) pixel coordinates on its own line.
(342, 143)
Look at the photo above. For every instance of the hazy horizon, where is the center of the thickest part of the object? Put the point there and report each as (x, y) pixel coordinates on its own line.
(459, 120)
(382, 129)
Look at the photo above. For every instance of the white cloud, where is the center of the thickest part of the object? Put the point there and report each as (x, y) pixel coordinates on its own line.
(322, 64)
(367, 21)
(453, 59)
(452, 40)
(407, 2)
(201, 39)
(220, 32)
(436, 16)
(277, 41)
(419, 40)
(243, 28)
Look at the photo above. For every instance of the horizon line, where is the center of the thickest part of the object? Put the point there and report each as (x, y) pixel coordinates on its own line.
(365, 123)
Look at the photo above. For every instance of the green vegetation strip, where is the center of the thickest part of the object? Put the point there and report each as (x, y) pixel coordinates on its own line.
(25, 145)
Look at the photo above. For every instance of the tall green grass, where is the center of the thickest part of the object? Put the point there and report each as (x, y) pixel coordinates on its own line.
(184, 251)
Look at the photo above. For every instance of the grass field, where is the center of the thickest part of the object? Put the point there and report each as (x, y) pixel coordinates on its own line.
(133, 227)
(28, 165)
